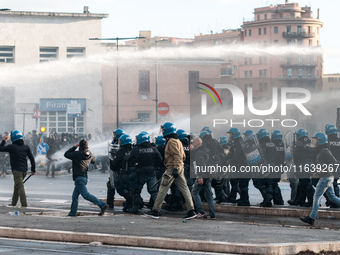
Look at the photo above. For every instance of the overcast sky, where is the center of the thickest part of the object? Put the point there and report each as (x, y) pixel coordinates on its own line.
(184, 18)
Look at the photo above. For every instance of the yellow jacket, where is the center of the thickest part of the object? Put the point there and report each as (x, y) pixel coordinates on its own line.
(174, 154)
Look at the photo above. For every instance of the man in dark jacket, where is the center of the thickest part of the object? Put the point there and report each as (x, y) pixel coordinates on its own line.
(325, 184)
(202, 160)
(80, 164)
(18, 152)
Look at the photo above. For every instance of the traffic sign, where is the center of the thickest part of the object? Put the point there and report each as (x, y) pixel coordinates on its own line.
(42, 148)
(36, 114)
(163, 108)
(73, 110)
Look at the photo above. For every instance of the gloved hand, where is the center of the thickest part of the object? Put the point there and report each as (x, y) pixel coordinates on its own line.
(175, 173)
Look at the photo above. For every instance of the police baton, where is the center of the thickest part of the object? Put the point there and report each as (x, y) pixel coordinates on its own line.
(27, 178)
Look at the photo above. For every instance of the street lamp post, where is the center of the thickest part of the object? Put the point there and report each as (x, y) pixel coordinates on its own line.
(117, 39)
(156, 77)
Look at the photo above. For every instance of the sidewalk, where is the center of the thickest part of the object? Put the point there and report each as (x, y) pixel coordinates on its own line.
(233, 233)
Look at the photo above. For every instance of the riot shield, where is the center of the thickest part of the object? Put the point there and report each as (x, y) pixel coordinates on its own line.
(112, 150)
(288, 142)
(254, 155)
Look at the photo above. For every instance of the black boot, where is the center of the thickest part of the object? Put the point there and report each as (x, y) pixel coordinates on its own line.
(308, 220)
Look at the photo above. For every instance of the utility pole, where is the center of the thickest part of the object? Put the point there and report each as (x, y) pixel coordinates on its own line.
(117, 39)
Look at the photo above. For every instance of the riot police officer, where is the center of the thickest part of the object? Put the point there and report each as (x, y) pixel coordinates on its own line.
(225, 181)
(146, 158)
(304, 155)
(160, 145)
(334, 144)
(279, 161)
(113, 148)
(124, 170)
(265, 185)
(217, 157)
(236, 158)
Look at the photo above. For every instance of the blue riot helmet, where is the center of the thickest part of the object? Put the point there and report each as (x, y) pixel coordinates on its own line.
(234, 133)
(16, 135)
(331, 129)
(168, 128)
(319, 138)
(277, 135)
(118, 133)
(262, 133)
(124, 139)
(223, 140)
(160, 140)
(248, 133)
(182, 134)
(301, 133)
(203, 133)
(142, 137)
(206, 129)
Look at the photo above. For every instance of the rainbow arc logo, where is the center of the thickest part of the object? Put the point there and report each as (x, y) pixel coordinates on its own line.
(209, 93)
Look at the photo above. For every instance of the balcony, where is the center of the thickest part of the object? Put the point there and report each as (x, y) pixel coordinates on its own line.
(226, 72)
(298, 77)
(297, 65)
(297, 35)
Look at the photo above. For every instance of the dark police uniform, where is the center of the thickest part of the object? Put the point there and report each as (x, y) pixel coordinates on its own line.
(304, 154)
(279, 161)
(236, 158)
(334, 144)
(146, 157)
(124, 169)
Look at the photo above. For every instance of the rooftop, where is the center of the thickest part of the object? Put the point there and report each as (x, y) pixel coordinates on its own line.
(84, 14)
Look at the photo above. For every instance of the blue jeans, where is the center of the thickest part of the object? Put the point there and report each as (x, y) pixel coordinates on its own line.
(324, 185)
(208, 196)
(80, 189)
(150, 180)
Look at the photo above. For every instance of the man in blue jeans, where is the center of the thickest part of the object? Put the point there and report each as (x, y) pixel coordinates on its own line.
(325, 184)
(80, 165)
(201, 158)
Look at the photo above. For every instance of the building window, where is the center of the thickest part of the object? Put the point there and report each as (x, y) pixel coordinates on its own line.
(281, 15)
(245, 74)
(289, 73)
(235, 81)
(144, 116)
(258, 17)
(235, 68)
(193, 79)
(310, 43)
(276, 41)
(59, 122)
(75, 52)
(250, 74)
(245, 33)
(245, 61)
(265, 72)
(309, 73)
(299, 60)
(276, 30)
(6, 54)
(289, 61)
(259, 31)
(299, 29)
(264, 30)
(299, 73)
(48, 54)
(260, 73)
(144, 81)
(265, 60)
(265, 16)
(249, 32)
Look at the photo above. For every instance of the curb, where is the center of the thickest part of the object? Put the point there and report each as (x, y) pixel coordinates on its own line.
(255, 210)
(166, 243)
